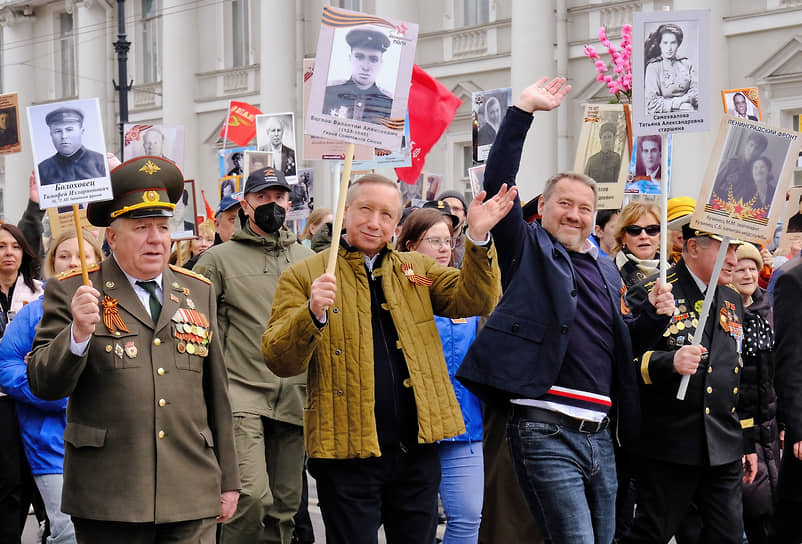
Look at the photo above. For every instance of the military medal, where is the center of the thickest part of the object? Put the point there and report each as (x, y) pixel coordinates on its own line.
(118, 350)
(698, 306)
(414, 278)
(111, 315)
(174, 298)
(190, 304)
(130, 349)
(181, 347)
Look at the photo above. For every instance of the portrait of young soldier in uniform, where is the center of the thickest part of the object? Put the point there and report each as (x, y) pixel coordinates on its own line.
(72, 161)
(359, 97)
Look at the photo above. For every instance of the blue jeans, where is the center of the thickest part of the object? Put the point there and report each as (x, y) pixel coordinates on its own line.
(461, 490)
(61, 529)
(568, 478)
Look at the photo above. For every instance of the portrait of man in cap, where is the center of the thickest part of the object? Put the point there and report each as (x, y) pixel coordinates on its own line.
(72, 160)
(359, 97)
(605, 165)
(8, 129)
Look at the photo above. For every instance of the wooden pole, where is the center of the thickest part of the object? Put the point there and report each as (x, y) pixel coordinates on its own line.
(708, 302)
(80, 235)
(628, 117)
(338, 218)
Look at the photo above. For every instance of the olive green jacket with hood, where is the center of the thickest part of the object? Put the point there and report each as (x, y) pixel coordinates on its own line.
(245, 272)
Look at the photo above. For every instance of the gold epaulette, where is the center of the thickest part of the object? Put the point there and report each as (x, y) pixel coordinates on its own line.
(190, 273)
(731, 286)
(671, 278)
(77, 272)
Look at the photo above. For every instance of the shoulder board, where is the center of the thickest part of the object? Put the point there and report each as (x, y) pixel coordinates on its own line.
(77, 272)
(682, 58)
(655, 59)
(190, 273)
(670, 278)
(731, 286)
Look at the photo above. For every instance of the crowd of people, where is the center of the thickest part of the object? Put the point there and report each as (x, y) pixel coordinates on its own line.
(517, 364)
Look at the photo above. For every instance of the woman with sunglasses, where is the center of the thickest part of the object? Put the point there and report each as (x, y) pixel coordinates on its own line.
(430, 231)
(637, 241)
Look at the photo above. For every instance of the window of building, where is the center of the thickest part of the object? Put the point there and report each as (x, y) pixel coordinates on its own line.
(65, 46)
(240, 32)
(476, 12)
(355, 5)
(150, 42)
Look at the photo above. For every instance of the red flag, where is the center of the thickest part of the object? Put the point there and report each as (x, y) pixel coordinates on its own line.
(209, 210)
(431, 108)
(240, 125)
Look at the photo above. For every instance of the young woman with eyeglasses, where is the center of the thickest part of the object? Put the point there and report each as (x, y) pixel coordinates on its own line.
(429, 231)
(637, 241)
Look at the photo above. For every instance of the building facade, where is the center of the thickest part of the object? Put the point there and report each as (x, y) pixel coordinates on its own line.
(189, 58)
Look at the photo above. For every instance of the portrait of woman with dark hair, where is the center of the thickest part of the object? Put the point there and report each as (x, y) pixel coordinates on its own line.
(671, 81)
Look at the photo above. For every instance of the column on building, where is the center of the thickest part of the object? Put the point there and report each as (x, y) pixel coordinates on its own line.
(691, 152)
(179, 65)
(18, 76)
(533, 37)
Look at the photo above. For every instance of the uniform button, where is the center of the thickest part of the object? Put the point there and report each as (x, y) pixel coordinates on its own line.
(336, 310)
(339, 392)
(108, 348)
(162, 403)
(709, 369)
(735, 370)
(156, 342)
(733, 410)
(160, 371)
(573, 292)
(515, 327)
(564, 329)
(407, 382)
(161, 434)
(734, 390)
(709, 389)
(337, 351)
(707, 410)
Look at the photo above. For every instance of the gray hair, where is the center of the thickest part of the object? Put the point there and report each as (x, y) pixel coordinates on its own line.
(353, 190)
(573, 176)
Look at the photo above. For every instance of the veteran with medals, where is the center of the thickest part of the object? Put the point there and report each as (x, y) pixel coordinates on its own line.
(149, 445)
(692, 450)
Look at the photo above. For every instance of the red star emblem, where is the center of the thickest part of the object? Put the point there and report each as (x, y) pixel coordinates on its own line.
(401, 29)
(737, 208)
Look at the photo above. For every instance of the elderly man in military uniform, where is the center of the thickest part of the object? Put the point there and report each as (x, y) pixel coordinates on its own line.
(72, 161)
(692, 450)
(359, 97)
(605, 165)
(149, 442)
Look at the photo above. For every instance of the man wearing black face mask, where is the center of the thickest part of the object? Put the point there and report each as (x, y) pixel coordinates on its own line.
(268, 411)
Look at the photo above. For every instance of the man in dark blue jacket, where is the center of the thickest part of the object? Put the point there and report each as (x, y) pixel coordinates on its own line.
(566, 367)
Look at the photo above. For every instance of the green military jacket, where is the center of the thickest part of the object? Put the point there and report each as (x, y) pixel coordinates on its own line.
(149, 434)
(245, 272)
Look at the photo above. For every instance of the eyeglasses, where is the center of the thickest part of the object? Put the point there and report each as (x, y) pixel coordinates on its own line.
(437, 242)
(635, 230)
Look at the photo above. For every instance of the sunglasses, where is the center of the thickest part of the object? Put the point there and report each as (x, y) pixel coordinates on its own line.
(635, 230)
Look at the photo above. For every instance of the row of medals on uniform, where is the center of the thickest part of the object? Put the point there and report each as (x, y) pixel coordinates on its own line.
(191, 329)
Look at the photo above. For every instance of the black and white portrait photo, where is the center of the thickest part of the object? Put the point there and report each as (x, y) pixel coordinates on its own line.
(488, 109)
(603, 150)
(671, 66)
(361, 80)
(275, 134)
(9, 124)
(256, 160)
(154, 140)
(68, 146)
(301, 195)
(232, 161)
(751, 166)
(182, 223)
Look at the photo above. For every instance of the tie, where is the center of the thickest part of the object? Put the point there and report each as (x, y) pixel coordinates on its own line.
(155, 305)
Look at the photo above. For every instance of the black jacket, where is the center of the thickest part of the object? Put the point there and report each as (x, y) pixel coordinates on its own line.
(703, 429)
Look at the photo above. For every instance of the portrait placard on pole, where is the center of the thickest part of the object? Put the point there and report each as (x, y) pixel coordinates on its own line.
(9, 124)
(488, 111)
(603, 152)
(275, 134)
(670, 71)
(69, 151)
(360, 86)
(746, 179)
(162, 141)
(316, 148)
